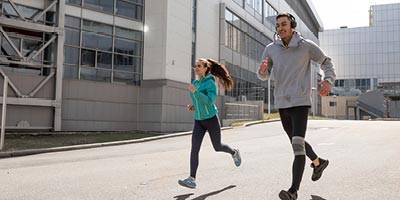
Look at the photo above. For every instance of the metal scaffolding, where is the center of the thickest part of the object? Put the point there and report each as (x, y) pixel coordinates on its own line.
(14, 20)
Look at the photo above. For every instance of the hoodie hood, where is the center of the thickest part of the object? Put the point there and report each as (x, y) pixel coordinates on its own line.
(294, 41)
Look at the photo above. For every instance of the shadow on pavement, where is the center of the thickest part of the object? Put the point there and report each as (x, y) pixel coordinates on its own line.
(204, 196)
(315, 197)
(183, 196)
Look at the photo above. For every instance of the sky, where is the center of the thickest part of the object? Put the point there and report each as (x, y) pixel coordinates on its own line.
(350, 13)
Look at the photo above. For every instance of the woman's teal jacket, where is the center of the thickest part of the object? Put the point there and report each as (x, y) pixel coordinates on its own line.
(203, 97)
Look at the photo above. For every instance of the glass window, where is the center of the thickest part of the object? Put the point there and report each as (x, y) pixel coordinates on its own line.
(128, 33)
(136, 1)
(128, 78)
(71, 55)
(72, 22)
(76, 2)
(72, 36)
(102, 5)
(70, 71)
(127, 63)
(127, 47)
(97, 27)
(228, 16)
(258, 6)
(95, 41)
(127, 9)
(88, 58)
(104, 60)
(95, 74)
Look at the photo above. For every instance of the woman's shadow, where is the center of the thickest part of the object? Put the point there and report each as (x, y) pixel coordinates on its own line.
(204, 196)
(315, 197)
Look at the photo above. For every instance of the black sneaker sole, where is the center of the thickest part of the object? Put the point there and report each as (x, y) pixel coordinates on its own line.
(323, 167)
(283, 195)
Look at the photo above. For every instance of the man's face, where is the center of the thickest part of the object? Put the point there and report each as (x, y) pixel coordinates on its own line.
(283, 27)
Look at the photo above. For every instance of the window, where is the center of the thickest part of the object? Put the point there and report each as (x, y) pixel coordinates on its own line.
(128, 9)
(72, 36)
(101, 5)
(76, 2)
(71, 55)
(127, 47)
(270, 13)
(101, 55)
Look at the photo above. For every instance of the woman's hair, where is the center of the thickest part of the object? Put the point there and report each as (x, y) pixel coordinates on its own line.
(219, 70)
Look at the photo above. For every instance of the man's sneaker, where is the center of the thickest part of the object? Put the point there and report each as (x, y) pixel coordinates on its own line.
(286, 195)
(317, 173)
(236, 158)
(188, 182)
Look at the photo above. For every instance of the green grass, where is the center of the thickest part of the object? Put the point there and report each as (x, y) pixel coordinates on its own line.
(386, 119)
(30, 141)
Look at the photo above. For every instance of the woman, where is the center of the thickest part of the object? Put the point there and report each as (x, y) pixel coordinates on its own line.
(288, 60)
(203, 92)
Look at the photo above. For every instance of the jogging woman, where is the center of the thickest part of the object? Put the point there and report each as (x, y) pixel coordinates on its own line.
(203, 92)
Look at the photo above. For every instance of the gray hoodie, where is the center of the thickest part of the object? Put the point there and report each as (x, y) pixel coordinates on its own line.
(291, 70)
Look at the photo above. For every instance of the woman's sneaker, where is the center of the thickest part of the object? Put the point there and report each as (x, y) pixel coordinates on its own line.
(236, 158)
(188, 182)
(286, 195)
(317, 173)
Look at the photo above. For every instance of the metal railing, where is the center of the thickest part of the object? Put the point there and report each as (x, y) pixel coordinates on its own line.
(242, 111)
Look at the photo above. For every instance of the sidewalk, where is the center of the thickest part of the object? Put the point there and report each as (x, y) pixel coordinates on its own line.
(8, 154)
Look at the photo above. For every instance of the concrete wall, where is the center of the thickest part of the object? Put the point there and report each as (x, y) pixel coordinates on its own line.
(156, 106)
(167, 40)
(340, 110)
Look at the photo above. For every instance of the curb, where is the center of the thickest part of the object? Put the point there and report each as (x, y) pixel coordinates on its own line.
(8, 154)
(260, 122)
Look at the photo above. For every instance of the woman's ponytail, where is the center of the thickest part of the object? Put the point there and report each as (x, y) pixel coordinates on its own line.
(219, 70)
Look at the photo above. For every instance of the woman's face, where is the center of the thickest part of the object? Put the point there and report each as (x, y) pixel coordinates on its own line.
(200, 68)
(283, 27)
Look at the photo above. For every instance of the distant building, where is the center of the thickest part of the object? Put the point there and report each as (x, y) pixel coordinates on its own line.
(367, 59)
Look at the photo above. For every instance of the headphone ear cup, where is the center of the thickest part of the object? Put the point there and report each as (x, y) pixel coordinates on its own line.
(293, 24)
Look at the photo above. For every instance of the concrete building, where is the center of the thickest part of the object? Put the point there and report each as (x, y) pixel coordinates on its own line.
(85, 65)
(367, 58)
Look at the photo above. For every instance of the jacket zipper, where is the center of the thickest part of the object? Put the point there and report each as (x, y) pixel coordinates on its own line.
(197, 103)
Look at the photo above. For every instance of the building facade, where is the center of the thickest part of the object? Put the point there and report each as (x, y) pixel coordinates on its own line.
(97, 65)
(367, 59)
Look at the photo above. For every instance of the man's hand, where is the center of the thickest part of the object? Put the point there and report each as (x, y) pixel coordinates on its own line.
(325, 88)
(263, 66)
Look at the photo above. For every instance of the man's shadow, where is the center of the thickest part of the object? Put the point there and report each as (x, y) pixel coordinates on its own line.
(315, 197)
(204, 196)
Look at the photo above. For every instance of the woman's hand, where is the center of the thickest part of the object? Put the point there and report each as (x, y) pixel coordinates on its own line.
(191, 88)
(190, 108)
(263, 66)
(325, 88)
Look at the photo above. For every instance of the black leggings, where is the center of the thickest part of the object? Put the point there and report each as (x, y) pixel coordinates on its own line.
(294, 121)
(214, 129)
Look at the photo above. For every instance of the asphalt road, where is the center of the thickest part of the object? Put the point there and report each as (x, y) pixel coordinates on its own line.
(364, 164)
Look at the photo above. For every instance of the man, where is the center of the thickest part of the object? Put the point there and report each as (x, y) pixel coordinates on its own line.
(287, 59)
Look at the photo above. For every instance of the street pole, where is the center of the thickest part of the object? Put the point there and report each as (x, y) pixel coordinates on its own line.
(269, 97)
(314, 101)
(3, 113)
(334, 107)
